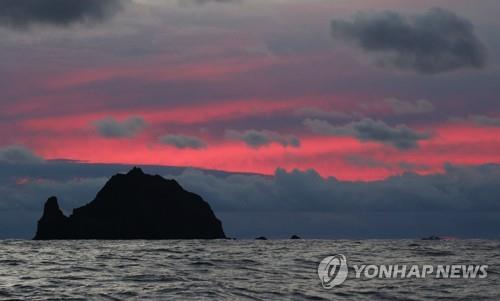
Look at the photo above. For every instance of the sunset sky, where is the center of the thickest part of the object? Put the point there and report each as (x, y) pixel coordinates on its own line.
(314, 91)
(252, 86)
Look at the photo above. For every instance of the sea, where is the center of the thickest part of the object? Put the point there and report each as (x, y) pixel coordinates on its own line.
(238, 270)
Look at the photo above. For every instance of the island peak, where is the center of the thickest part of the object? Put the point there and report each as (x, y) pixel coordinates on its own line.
(134, 206)
(136, 171)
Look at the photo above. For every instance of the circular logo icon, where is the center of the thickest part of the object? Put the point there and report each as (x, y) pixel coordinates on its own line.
(332, 271)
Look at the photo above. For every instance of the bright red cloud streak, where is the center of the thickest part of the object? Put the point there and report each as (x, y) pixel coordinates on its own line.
(344, 158)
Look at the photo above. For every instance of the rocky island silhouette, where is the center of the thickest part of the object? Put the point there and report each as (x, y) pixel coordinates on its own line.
(134, 206)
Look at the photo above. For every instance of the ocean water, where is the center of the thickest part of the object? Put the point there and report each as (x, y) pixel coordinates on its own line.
(235, 270)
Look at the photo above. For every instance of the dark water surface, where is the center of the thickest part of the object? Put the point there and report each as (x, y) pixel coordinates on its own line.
(235, 270)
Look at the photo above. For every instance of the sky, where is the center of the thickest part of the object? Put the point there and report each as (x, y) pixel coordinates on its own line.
(364, 101)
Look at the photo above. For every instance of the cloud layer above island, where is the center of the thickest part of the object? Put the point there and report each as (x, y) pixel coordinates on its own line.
(461, 202)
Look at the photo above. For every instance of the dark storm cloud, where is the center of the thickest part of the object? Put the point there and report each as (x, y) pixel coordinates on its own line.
(183, 141)
(400, 136)
(434, 42)
(111, 128)
(24, 13)
(257, 139)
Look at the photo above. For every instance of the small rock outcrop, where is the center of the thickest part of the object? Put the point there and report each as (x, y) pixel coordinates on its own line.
(134, 206)
(295, 237)
(261, 238)
(433, 237)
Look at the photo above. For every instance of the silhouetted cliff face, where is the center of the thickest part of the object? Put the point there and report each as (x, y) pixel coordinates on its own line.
(53, 222)
(134, 206)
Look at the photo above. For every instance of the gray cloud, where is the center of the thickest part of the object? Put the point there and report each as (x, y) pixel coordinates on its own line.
(401, 107)
(434, 42)
(182, 141)
(25, 13)
(460, 202)
(485, 120)
(110, 128)
(257, 139)
(457, 189)
(478, 120)
(17, 154)
(400, 136)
